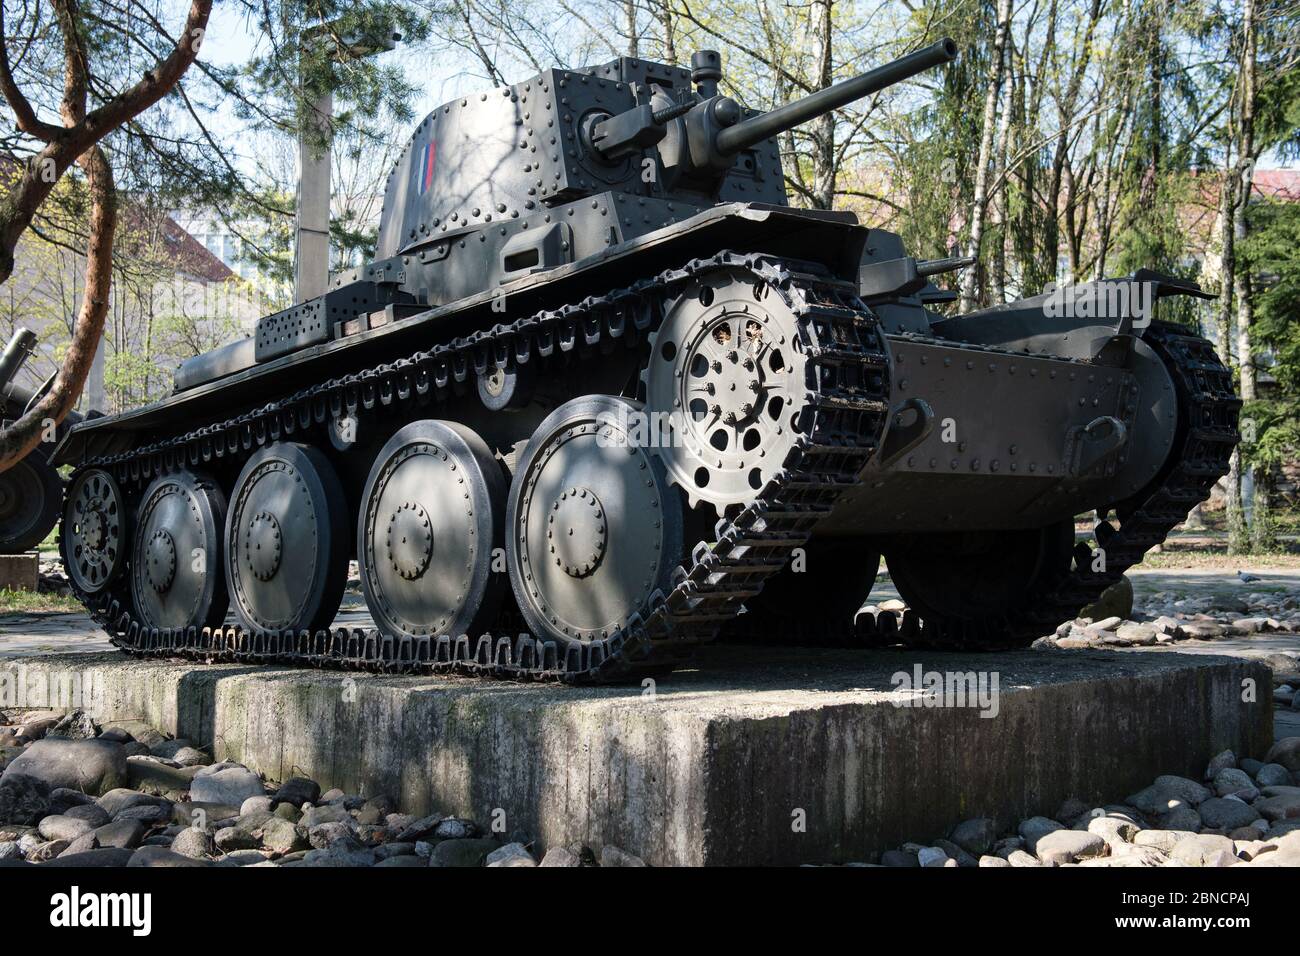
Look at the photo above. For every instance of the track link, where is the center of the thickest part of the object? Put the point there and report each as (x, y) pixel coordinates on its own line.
(842, 424)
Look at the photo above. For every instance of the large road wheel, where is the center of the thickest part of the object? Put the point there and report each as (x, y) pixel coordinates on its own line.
(815, 598)
(432, 514)
(968, 586)
(287, 540)
(593, 527)
(176, 566)
(30, 495)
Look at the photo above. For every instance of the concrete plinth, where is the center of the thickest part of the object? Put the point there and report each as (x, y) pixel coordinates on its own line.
(20, 572)
(757, 757)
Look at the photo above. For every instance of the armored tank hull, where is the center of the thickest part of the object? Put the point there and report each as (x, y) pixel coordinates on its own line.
(578, 420)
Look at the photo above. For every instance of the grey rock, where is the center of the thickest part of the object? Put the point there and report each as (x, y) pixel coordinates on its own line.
(386, 850)
(343, 853)
(408, 859)
(115, 801)
(1272, 775)
(512, 854)
(613, 856)
(284, 837)
(1188, 791)
(454, 828)
(92, 813)
(63, 828)
(168, 747)
(158, 856)
(23, 799)
(462, 852)
(231, 839)
(975, 836)
(104, 856)
(82, 844)
(117, 735)
(190, 757)
(1279, 806)
(297, 791)
(204, 815)
(197, 844)
(932, 857)
(1230, 781)
(145, 813)
(1224, 760)
(1204, 849)
(1223, 813)
(287, 811)
(1285, 751)
(327, 834)
(560, 856)
(264, 804)
(62, 799)
(230, 784)
(254, 820)
(9, 850)
(1182, 818)
(1069, 846)
(147, 775)
(1134, 633)
(330, 813)
(1020, 858)
(244, 857)
(77, 725)
(91, 766)
(955, 852)
(1116, 831)
(122, 834)
(1250, 765)
(993, 861)
(1034, 828)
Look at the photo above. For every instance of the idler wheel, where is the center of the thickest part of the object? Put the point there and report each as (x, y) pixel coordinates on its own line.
(94, 535)
(286, 540)
(433, 512)
(593, 527)
(176, 567)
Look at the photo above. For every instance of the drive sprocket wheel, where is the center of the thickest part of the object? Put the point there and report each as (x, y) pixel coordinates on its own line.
(432, 513)
(176, 566)
(593, 528)
(94, 535)
(966, 586)
(287, 540)
(30, 495)
(727, 367)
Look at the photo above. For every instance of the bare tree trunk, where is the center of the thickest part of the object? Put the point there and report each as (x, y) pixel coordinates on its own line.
(980, 200)
(823, 135)
(629, 20)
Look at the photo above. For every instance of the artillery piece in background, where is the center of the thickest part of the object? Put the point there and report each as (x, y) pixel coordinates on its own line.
(31, 491)
(601, 383)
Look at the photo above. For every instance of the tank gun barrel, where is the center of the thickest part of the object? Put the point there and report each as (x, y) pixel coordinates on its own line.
(747, 133)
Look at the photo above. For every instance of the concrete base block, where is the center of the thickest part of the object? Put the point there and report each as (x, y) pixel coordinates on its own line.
(20, 572)
(756, 757)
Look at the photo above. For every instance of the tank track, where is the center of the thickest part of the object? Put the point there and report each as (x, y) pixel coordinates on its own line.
(843, 423)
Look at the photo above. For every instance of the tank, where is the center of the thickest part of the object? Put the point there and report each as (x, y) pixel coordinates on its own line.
(603, 396)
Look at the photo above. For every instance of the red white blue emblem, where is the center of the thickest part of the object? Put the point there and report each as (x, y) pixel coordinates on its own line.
(424, 168)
